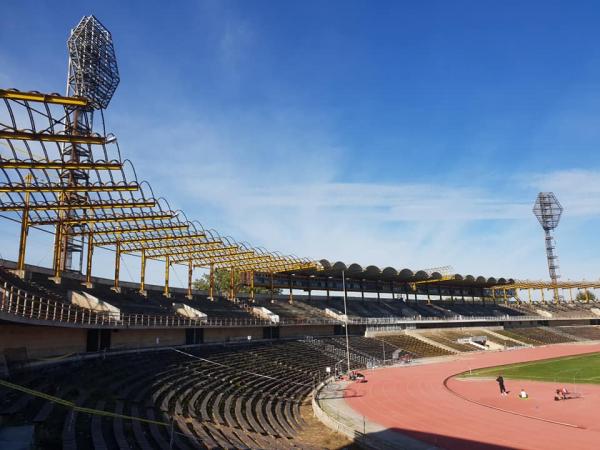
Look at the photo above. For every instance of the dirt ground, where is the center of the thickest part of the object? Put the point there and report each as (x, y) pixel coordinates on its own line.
(318, 435)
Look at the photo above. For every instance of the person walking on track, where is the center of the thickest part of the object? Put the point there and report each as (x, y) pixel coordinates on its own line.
(500, 381)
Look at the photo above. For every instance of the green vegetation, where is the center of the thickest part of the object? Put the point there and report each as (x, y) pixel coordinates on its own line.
(585, 295)
(569, 369)
(222, 284)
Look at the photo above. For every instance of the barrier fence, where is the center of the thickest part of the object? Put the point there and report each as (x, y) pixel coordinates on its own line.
(21, 305)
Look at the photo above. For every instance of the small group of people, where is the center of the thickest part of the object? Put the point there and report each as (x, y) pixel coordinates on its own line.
(522, 395)
(357, 376)
(560, 393)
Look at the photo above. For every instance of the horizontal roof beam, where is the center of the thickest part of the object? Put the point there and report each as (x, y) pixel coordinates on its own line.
(62, 188)
(131, 230)
(97, 219)
(146, 239)
(50, 137)
(71, 207)
(43, 98)
(58, 165)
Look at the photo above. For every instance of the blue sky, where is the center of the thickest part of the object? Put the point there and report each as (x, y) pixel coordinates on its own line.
(390, 133)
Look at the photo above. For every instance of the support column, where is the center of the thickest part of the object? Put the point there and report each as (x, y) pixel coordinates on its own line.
(272, 289)
(517, 298)
(587, 295)
(362, 290)
(570, 295)
(116, 287)
(493, 295)
(252, 294)
(504, 295)
(232, 284)
(543, 299)
(24, 232)
(143, 273)
(90, 255)
(211, 286)
(190, 295)
(291, 297)
(167, 273)
(57, 252)
(529, 294)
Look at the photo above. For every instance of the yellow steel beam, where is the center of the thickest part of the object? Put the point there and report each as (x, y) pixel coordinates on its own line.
(201, 253)
(47, 137)
(132, 230)
(62, 188)
(146, 239)
(549, 285)
(43, 98)
(98, 219)
(227, 263)
(58, 165)
(437, 280)
(205, 245)
(71, 207)
(275, 267)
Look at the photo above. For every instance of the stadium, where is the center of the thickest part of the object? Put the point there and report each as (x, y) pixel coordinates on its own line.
(265, 350)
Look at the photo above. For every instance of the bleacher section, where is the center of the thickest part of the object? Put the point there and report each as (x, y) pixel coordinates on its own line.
(535, 335)
(414, 346)
(234, 397)
(591, 333)
(130, 301)
(450, 339)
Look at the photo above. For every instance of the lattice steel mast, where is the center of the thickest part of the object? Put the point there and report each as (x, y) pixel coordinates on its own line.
(548, 210)
(93, 74)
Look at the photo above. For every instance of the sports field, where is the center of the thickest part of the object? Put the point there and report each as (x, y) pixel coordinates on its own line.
(569, 369)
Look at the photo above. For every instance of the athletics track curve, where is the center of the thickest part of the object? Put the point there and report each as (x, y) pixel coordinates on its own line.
(457, 414)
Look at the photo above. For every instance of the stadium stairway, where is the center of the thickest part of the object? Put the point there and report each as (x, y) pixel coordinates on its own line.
(427, 340)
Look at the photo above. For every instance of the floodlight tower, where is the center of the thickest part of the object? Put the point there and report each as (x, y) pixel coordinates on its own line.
(548, 210)
(93, 74)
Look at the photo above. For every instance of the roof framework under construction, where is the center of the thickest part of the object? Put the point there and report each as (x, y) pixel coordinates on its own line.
(59, 168)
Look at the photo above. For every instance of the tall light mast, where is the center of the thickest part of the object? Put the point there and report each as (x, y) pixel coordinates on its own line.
(548, 210)
(93, 74)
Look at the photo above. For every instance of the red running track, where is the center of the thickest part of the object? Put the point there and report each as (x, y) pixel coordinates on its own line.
(415, 401)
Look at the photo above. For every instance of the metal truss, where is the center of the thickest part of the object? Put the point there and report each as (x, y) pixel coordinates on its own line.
(106, 206)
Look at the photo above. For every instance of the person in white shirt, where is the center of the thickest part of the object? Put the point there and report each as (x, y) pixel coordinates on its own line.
(523, 394)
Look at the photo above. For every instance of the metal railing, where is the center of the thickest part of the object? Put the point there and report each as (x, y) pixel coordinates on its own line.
(25, 306)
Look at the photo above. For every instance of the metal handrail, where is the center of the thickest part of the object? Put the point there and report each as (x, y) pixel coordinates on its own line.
(23, 304)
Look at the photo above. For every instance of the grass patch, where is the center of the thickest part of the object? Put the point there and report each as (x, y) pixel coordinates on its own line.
(568, 369)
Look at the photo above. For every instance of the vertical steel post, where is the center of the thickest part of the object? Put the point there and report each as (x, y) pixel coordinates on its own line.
(167, 272)
(24, 231)
(117, 266)
(272, 289)
(57, 252)
(190, 276)
(291, 297)
(211, 278)
(252, 285)
(346, 320)
(231, 283)
(90, 255)
(143, 273)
